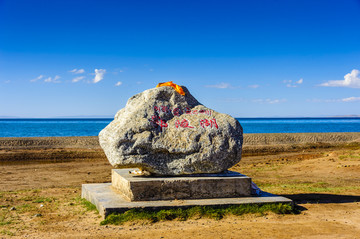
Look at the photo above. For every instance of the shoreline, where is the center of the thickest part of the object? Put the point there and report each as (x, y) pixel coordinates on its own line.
(250, 140)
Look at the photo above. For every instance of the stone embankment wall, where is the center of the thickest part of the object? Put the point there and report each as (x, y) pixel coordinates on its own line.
(250, 140)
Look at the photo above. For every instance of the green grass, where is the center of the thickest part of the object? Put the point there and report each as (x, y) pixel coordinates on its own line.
(88, 205)
(7, 232)
(37, 199)
(196, 212)
(44, 199)
(26, 208)
(5, 219)
(350, 157)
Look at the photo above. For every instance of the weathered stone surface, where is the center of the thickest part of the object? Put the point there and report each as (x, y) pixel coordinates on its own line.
(199, 186)
(166, 133)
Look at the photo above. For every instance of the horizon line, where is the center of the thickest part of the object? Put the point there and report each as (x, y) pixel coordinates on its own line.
(243, 117)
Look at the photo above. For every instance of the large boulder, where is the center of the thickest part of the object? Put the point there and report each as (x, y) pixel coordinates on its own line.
(166, 133)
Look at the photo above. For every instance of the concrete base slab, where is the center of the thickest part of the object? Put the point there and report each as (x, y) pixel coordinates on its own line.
(228, 184)
(108, 200)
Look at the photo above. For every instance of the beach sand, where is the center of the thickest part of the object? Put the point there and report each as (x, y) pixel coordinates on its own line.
(320, 172)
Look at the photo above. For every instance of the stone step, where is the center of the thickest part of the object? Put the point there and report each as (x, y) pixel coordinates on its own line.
(108, 200)
(202, 186)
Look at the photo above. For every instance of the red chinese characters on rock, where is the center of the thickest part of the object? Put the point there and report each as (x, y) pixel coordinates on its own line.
(179, 111)
(208, 123)
(155, 119)
(196, 112)
(162, 108)
(165, 109)
(183, 124)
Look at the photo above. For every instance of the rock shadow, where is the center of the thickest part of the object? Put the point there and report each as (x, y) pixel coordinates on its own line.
(321, 198)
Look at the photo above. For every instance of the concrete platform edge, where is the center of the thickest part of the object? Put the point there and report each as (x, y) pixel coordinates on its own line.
(107, 200)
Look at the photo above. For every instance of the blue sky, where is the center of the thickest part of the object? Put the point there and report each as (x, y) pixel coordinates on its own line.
(245, 58)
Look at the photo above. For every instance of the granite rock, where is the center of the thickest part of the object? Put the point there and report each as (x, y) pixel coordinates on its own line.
(165, 133)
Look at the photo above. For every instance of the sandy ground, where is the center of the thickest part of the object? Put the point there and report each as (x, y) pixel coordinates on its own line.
(40, 192)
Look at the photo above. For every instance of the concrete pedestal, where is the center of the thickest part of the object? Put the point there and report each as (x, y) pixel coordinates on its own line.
(202, 186)
(128, 191)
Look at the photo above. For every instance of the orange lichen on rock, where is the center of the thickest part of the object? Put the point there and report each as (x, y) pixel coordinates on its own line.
(173, 85)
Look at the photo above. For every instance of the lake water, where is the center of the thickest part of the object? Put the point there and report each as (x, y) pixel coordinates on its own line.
(92, 127)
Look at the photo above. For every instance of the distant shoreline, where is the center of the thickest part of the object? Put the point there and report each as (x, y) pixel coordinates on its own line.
(77, 127)
(111, 118)
(260, 139)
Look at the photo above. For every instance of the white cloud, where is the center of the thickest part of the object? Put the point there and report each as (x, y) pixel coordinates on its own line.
(37, 78)
(119, 83)
(269, 101)
(351, 80)
(348, 99)
(291, 84)
(99, 75)
(77, 79)
(254, 86)
(53, 80)
(273, 101)
(222, 85)
(77, 71)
